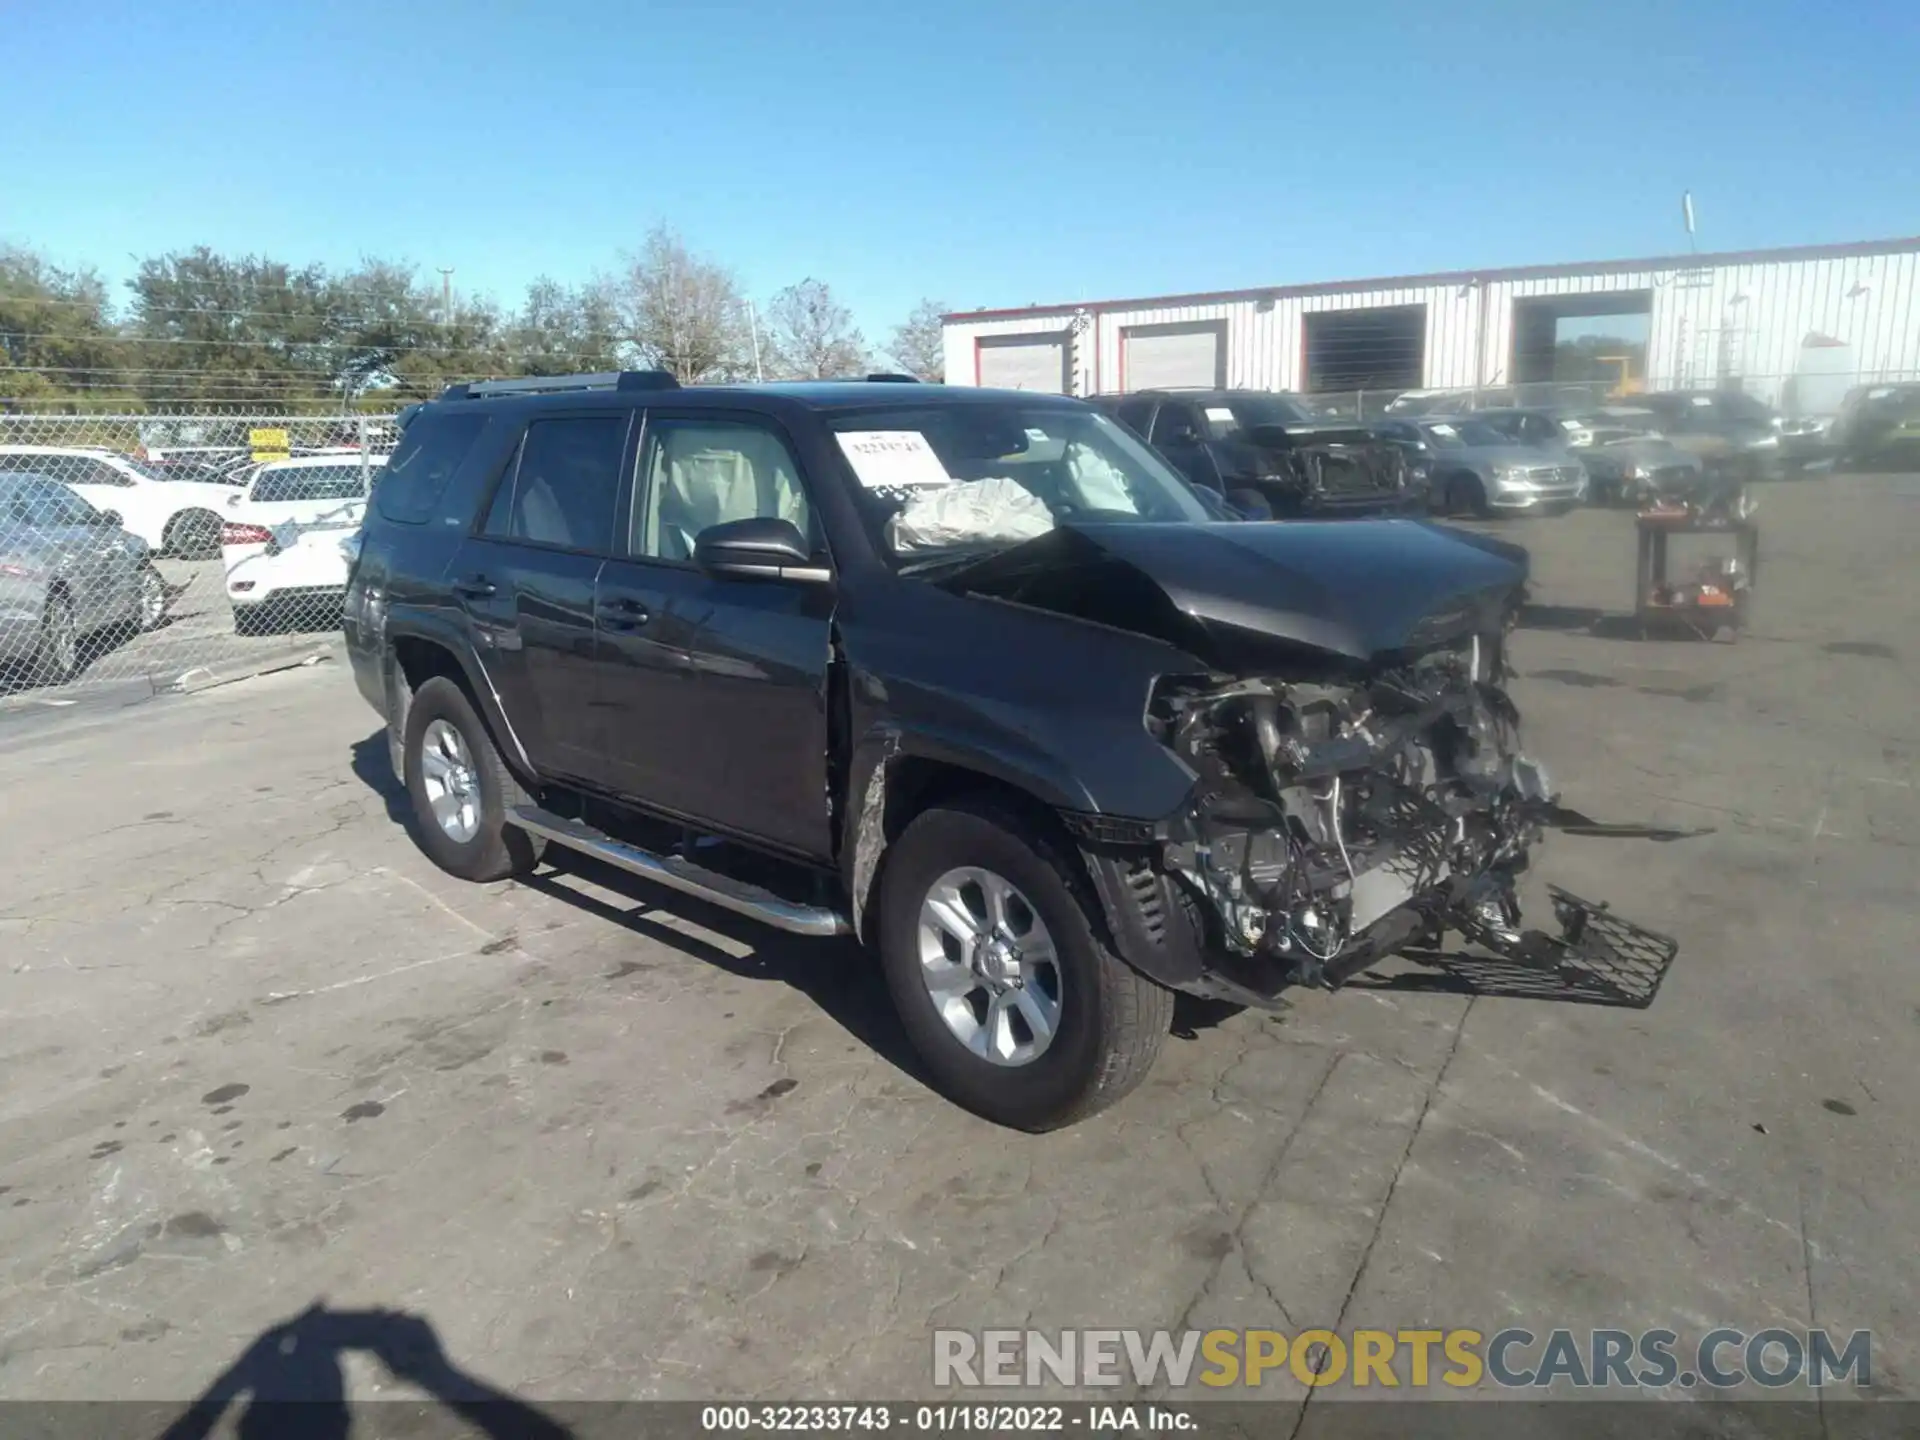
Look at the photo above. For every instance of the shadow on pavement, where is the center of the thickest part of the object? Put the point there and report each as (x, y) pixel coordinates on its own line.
(294, 1384)
(1581, 620)
(838, 976)
(373, 769)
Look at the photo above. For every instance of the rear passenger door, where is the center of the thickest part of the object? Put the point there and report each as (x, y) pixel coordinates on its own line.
(525, 580)
(713, 688)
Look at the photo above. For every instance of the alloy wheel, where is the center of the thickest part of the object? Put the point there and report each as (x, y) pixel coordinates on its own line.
(990, 966)
(452, 783)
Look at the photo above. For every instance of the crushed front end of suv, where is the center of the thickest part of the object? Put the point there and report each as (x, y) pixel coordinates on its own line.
(970, 676)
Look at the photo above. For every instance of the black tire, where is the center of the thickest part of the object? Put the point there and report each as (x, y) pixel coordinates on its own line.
(252, 619)
(497, 850)
(57, 659)
(193, 535)
(1112, 1019)
(1466, 496)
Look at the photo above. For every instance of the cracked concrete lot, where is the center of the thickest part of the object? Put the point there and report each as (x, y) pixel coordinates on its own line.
(258, 1052)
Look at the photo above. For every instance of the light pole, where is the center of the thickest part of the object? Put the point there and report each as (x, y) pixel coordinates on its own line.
(446, 296)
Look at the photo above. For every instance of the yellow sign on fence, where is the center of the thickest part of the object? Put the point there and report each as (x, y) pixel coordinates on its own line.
(270, 445)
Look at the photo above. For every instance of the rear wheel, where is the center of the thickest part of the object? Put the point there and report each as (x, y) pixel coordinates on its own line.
(252, 619)
(194, 535)
(461, 789)
(1003, 983)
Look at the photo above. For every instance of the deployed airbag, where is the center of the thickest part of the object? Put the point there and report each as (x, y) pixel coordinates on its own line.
(968, 512)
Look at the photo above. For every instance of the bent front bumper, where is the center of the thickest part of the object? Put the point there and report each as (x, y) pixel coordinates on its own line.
(1159, 927)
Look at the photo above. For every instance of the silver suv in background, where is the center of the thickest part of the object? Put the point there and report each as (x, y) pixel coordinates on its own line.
(1478, 471)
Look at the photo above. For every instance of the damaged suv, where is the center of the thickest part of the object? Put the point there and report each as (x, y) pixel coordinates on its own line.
(969, 675)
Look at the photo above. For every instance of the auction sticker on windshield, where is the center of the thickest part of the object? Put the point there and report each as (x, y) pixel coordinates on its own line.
(892, 459)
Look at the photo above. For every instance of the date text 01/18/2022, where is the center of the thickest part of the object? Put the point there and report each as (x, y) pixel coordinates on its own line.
(943, 1419)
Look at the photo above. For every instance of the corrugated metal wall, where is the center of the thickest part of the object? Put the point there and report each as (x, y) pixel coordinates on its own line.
(1747, 320)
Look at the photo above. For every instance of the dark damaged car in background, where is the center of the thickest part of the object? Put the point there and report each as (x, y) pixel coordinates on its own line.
(1270, 456)
(968, 675)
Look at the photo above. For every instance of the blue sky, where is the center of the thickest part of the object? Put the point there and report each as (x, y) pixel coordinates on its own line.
(987, 153)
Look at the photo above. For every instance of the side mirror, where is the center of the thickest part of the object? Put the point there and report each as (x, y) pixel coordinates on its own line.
(762, 547)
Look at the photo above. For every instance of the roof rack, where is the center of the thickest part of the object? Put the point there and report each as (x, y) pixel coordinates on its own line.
(884, 378)
(549, 384)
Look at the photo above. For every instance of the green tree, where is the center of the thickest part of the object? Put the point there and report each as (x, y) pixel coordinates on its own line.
(58, 341)
(246, 329)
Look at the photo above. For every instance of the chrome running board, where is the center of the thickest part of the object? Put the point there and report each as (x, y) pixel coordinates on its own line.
(677, 873)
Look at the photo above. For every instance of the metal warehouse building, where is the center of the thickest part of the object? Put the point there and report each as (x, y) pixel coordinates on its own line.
(1794, 326)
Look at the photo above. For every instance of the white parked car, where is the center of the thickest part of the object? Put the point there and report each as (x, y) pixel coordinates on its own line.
(289, 537)
(175, 517)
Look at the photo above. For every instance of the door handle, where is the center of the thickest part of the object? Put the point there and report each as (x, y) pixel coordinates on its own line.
(624, 614)
(475, 587)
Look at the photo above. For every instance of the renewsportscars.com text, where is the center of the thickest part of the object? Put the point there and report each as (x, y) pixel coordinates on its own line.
(1513, 1358)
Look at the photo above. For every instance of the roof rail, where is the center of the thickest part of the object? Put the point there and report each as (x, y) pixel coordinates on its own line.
(887, 379)
(550, 384)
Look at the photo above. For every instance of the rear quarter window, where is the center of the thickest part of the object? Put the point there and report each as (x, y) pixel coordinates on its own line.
(316, 482)
(431, 451)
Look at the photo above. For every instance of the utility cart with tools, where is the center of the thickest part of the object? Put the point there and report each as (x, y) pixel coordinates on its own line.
(1710, 597)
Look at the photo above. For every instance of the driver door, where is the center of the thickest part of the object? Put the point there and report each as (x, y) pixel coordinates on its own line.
(712, 689)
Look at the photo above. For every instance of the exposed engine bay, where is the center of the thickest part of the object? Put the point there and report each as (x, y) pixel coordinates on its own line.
(1336, 821)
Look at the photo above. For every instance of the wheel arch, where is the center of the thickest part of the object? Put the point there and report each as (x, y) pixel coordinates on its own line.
(895, 779)
(414, 657)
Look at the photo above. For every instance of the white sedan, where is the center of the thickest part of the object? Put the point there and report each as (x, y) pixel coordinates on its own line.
(288, 540)
(175, 517)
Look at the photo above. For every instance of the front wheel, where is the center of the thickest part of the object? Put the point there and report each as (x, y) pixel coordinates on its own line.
(1467, 496)
(1002, 981)
(58, 657)
(153, 599)
(461, 788)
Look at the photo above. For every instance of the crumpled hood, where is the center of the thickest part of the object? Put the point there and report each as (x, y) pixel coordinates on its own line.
(1235, 595)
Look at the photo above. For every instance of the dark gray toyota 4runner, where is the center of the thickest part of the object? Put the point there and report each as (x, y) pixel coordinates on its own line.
(968, 675)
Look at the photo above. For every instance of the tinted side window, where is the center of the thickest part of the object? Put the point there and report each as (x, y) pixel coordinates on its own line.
(430, 451)
(1173, 425)
(98, 472)
(1136, 415)
(564, 485)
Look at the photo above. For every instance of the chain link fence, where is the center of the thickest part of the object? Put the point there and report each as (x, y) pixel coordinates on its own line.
(161, 550)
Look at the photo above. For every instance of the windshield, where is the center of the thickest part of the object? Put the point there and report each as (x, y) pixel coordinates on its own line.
(966, 480)
(309, 482)
(1458, 434)
(1239, 413)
